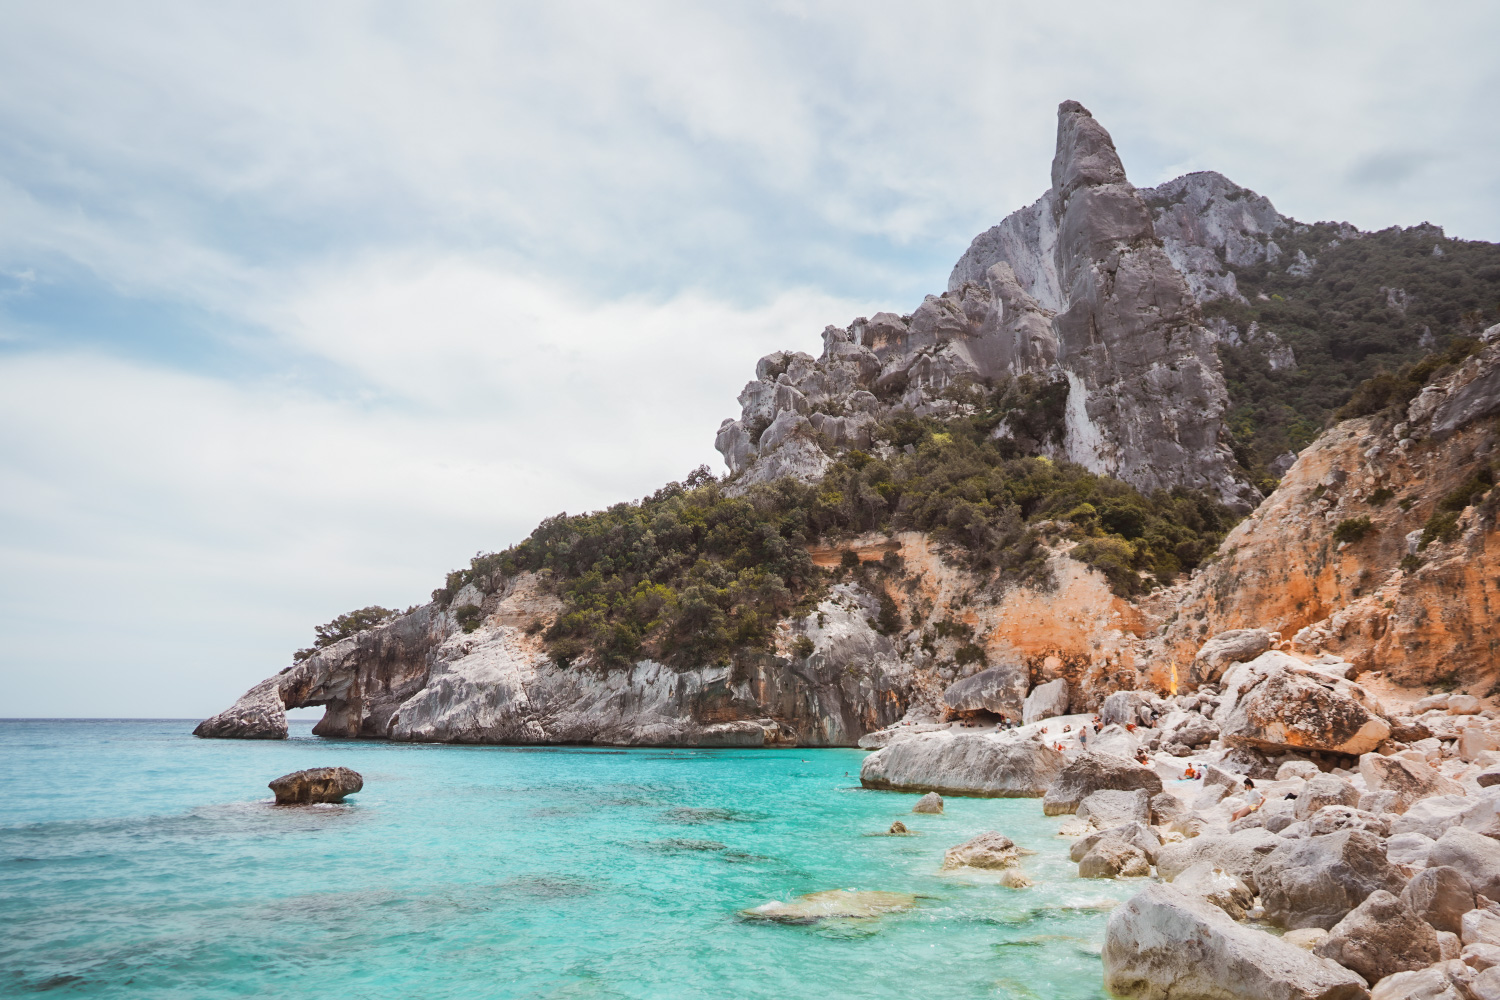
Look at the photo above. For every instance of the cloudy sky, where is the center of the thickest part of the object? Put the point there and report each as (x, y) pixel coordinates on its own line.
(301, 305)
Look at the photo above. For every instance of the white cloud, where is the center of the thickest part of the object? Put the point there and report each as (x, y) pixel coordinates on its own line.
(168, 538)
(462, 265)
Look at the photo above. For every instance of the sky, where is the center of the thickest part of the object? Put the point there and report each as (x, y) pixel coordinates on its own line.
(303, 305)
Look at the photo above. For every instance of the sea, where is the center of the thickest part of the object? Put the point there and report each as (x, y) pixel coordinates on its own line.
(138, 861)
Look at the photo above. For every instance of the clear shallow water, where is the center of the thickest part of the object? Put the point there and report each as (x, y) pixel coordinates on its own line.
(136, 860)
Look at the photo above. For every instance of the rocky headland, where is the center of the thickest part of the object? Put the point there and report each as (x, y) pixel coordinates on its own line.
(1064, 533)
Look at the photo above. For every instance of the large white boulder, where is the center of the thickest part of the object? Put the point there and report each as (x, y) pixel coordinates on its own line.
(1046, 701)
(1165, 943)
(964, 764)
(1276, 703)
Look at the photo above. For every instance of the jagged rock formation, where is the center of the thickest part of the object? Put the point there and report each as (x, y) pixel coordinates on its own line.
(1075, 290)
(1208, 225)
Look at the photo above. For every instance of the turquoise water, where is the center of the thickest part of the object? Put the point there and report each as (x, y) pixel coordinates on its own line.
(136, 860)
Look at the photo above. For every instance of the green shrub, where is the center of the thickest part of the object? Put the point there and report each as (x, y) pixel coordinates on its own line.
(344, 626)
(1469, 493)
(848, 559)
(968, 653)
(802, 646)
(889, 621)
(1380, 496)
(469, 617)
(1442, 527)
(1352, 529)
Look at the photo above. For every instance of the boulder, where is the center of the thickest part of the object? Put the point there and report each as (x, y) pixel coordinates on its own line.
(841, 904)
(1487, 778)
(1138, 834)
(1432, 816)
(988, 850)
(1381, 937)
(1124, 708)
(1224, 889)
(1012, 878)
(1332, 819)
(1325, 790)
(1240, 645)
(932, 802)
(1092, 772)
(1440, 896)
(1316, 882)
(316, 784)
(1475, 856)
(1165, 943)
(1424, 984)
(1046, 701)
(1464, 704)
(260, 714)
(898, 829)
(1409, 780)
(1281, 706)
(1480, 956)
(1450, 945)
(1409, 849)
(1237, 853)
(1485, 985)
(1000, 690)
(1111, 857)
(964, 764)
(1304, 769)
(1110, 807)
(1167, 808)
(1479, 926)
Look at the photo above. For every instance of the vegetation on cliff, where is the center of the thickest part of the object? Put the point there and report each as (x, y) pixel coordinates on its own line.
(690, 574)
(1366, 305)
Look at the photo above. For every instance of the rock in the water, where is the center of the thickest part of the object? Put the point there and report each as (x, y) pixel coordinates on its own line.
(1440, 896)
(1046, 701)
(1110, 807)
(1000, 690)
(1409, 780)
(1165, 943)
(1314, 883)
(1112, 857)
(1381, 937)
(964, 764)
(898, 829)
(1224, 889)
(1237, 853)
(1475, 856)
(1240, 645)
(1092, 772)
(258, 715)
(932, 802)
(1281, 704)
(988, 850)
(833, 904)
(1012, 878)
(317, 784)
(1325, 790)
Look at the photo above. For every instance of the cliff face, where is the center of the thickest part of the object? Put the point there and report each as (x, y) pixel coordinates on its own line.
(1416, 594)
(423, 678)
(1075, 289)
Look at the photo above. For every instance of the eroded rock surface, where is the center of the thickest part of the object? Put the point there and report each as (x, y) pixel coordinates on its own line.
(964, 764)
(317, 784)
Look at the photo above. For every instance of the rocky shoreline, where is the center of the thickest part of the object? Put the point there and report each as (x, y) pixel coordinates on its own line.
(1300, 839)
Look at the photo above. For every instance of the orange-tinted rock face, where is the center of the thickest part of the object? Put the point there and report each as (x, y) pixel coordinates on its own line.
(1079, 631)
(1433, 618)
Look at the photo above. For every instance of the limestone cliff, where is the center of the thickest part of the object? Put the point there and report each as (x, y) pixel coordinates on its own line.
(1414, 593)
(1076, 290)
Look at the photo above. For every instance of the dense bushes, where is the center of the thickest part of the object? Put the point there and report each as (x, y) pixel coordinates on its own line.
(690, 574)
(344, 626)
(1370, 306)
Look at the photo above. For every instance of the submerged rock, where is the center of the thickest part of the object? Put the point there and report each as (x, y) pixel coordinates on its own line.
(964, 764)
(832, 904)
(317, 784)
(898, 829)
(988, 850)
(1165, 943)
